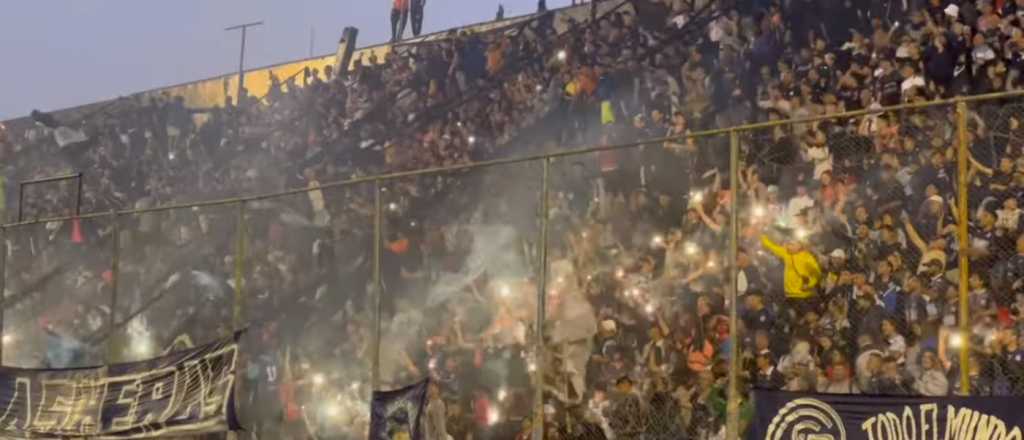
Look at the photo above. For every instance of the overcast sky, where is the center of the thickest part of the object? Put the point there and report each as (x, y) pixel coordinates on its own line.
(62, 53)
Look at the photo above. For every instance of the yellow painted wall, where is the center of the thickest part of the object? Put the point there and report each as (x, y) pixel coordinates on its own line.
(210, 92)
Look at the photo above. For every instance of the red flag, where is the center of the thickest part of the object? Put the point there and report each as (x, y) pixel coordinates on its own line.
(76, 231)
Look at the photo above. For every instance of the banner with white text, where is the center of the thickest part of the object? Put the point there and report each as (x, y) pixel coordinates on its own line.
(783, 415)
(184, 393)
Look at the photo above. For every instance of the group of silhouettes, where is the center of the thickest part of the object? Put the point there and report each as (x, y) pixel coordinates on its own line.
(400, 12)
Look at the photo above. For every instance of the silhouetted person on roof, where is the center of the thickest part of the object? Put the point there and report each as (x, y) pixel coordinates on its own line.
(417, 16)
(399, 16)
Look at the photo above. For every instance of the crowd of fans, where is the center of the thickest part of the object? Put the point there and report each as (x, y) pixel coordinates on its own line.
(848, 260)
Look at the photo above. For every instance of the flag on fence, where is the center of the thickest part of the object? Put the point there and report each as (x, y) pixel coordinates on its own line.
(396, 414)
(76, 231)
(607, 113)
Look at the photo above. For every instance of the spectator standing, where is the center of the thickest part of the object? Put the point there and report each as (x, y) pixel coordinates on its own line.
(896, 345)
(801, 273)
(768, 377)
(434, 422)
(838, 381)
(399, 17)
(416, 10)
(626, 413)
(932, 380)
(893, 381)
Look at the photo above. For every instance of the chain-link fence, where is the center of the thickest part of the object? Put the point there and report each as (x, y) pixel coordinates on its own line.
(874, 252)
(994, 295)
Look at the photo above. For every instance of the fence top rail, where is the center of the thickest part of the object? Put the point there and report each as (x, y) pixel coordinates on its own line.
(52, 179)
(528, 158)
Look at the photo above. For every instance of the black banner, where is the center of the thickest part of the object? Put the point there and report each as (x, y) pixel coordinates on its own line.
(184, 393)
(781, 415)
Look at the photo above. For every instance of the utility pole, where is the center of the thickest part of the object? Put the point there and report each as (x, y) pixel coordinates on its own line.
(241, 58)
(312, 39)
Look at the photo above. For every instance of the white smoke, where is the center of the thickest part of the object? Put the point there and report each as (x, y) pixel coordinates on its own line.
(495, 252)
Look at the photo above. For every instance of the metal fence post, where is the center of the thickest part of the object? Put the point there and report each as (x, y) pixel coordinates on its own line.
(240, 251)
(78, 195)
(21, 201)
(3, 286)
(378, 288)
(115, 274)
(962, 157)
(732, 425)
(542, 294)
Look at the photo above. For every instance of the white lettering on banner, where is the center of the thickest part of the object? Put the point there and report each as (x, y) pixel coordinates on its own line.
(55, 404)
(961, 424)
(152, 397)
(9, 421)
(866, 427)
(897, 427)
(933, 409)
(1014, 435)
(909, 428)
(990, 428)
(127, 403)
(177, 398)
(809, 418)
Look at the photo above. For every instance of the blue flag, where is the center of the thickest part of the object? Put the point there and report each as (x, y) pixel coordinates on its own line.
(395, 415)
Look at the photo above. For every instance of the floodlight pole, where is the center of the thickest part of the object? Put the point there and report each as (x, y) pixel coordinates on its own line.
(241, 58)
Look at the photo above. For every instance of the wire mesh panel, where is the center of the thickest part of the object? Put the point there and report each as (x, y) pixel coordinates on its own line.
(307, 310)
(848, 257)
(175, 280)
(994, 135)
(45, 200)
(57, 289)
(460, 292)
(874, 255)
(638, 289)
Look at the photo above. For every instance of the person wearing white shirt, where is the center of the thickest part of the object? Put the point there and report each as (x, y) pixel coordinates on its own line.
(799, 203)
(435, 419)
(597, 405)
(896, 345)
(911, 82)
(1009, 216)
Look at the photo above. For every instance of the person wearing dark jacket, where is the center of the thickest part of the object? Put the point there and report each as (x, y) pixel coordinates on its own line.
(757, 316)
(416, 10)
(768, 377)
(893, 380)
(867, 315)
(940, 60)
(1008, 365)
(627, 413)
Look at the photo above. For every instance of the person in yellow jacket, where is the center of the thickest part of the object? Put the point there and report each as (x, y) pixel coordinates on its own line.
(802, 272)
